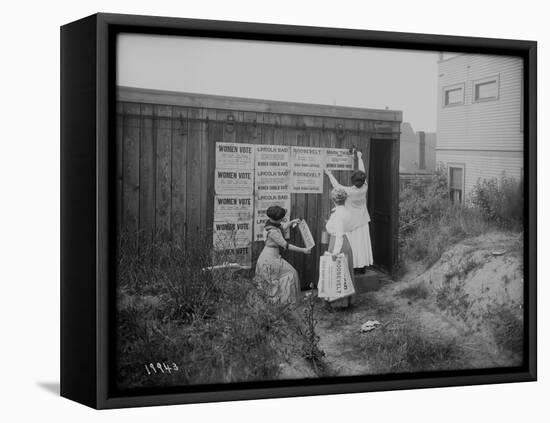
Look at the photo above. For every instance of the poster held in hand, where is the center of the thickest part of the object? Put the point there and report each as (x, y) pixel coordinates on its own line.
(334, 278)
(306, 234)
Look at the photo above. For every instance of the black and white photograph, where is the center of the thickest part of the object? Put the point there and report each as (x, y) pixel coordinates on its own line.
(290, 211)
(315, 211)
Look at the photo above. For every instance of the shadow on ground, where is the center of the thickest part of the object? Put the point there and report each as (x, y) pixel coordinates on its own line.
(51, 387)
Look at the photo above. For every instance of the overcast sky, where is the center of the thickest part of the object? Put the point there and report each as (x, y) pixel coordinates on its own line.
(344, 76)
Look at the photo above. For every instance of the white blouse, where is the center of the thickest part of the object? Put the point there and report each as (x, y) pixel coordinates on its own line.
(338, 224)
(356, 202)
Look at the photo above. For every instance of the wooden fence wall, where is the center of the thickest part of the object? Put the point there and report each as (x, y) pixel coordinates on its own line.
(166, 163)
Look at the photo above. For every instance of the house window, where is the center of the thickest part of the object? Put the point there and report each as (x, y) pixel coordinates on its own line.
(456, 183)
(486, 89)
(453, 95)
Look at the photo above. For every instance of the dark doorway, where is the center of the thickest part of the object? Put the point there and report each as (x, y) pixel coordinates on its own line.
(381, 202)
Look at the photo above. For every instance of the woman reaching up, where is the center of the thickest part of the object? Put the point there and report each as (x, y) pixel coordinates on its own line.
(356, 204)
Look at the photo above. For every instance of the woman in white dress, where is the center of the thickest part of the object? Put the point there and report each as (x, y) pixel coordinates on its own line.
(339, 227)
(356, 203)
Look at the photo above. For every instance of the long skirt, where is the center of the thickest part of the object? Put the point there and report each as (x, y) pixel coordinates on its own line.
(359, 240)
(281, 277)
(346, 249)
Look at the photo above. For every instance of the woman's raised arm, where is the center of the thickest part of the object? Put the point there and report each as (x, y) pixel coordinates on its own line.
(360, 163)
(333, 181)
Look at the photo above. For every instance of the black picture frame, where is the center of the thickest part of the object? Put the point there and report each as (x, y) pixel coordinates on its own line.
(88, 95)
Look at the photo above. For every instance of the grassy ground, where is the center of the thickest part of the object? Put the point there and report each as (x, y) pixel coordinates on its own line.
(213, 327)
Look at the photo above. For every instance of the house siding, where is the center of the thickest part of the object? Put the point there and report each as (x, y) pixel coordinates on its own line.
(486, 125)
(483, 165)
(484, 136)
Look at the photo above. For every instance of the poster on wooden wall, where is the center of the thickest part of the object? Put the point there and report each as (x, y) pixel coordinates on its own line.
(232, 208)
(233, 182)
(307, 167)
(272, 156)
(232, 229)
(338, 159)
(228, 257)
(272, 179)
(272, 168)
(234, 156)
(230, 235)
(306, 181)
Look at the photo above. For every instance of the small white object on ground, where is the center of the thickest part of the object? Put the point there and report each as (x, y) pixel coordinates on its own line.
(369, 325)
(231, 266)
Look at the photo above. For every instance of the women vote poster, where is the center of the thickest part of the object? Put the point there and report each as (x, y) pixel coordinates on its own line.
(234, 172)
(232, 221)
(234, 203)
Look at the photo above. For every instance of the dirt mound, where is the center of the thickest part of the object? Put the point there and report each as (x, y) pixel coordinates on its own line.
(486, 270)
(464, 312)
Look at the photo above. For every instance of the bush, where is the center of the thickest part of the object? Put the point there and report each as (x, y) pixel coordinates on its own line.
(420, 200)
(500, 200)
(217, 326)
(429, 222)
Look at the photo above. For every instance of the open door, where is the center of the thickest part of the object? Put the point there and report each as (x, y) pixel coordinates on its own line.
(381, 203)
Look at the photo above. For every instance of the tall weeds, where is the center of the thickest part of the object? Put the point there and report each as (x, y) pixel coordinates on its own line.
(215, 326)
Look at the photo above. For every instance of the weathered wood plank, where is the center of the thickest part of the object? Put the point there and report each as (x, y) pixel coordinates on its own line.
(194, 183)
(179, 174)
(314, 204)
(130, 172)
(163, 133)
(147, 176)
(214, 134)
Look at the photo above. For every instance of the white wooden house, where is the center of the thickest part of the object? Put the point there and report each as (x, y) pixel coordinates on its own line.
(479, 119)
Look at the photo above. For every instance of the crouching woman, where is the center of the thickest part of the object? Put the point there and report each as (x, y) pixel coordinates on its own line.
(282, 277)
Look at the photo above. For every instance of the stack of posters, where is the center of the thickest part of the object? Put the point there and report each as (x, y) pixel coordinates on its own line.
(272, 184)
(234, 203)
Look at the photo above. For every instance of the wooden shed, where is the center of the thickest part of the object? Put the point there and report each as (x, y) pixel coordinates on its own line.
(166, 162)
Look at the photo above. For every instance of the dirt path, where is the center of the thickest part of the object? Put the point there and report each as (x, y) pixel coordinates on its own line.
(344, 344)
(421, 327)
